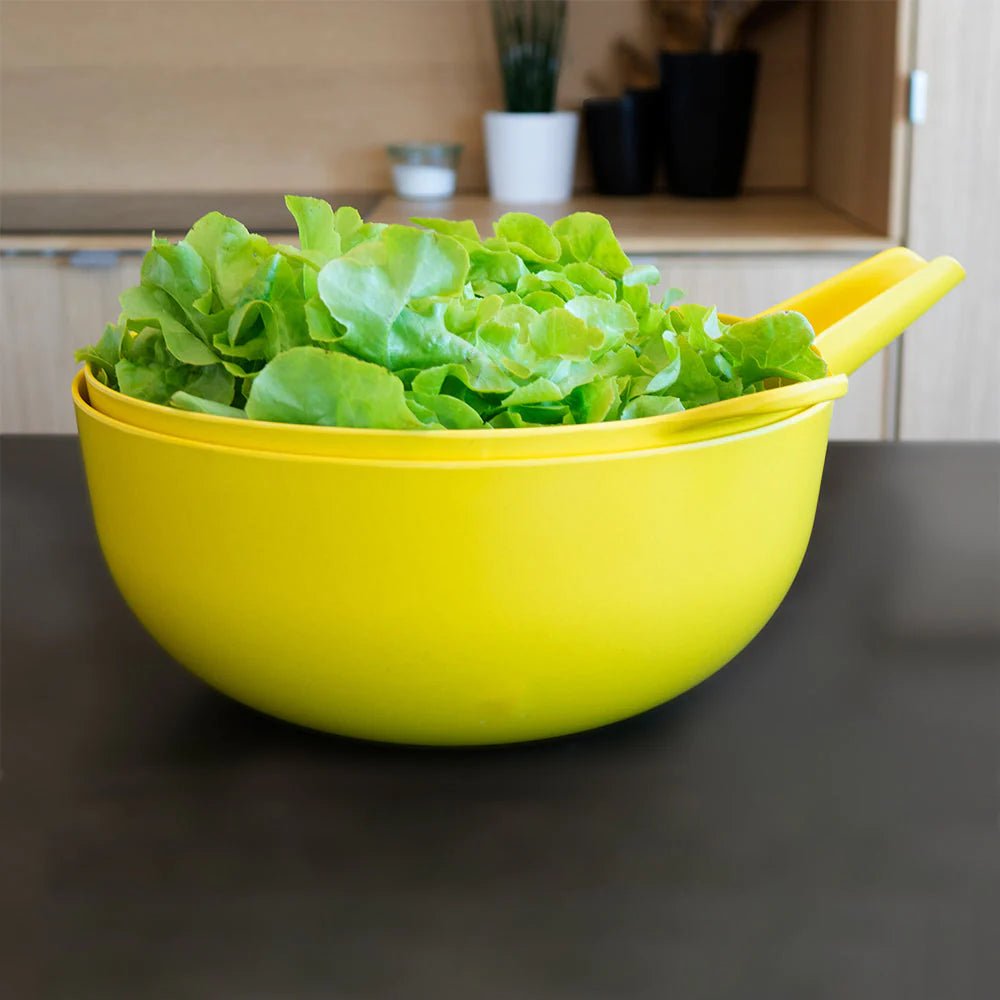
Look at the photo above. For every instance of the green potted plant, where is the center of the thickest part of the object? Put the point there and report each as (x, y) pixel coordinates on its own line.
(530, 147)
(709, 81)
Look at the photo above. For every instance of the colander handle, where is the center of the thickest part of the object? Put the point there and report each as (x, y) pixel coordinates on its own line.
(859, 311)
(834, 298)
(850, 342)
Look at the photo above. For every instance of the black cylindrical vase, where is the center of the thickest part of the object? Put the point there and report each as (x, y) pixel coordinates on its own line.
(622, 137)
(707, 107)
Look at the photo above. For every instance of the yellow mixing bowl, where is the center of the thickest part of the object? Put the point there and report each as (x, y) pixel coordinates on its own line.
(855, 314)
(453, 602)
(731, 416)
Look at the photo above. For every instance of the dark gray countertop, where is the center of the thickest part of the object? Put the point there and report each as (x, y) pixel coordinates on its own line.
(819, 820)
(139, 212)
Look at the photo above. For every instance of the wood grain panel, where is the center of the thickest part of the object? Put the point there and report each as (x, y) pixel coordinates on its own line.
(49, 309)
(778, 153)
(105, 96)
(857, 108)
(951, 357)
(745, 285)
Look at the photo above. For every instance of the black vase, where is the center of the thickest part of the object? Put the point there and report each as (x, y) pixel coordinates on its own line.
(707, 106)
(623, 140)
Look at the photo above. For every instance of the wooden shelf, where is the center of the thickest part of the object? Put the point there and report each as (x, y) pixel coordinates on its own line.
(753, 223)
(56, 243)
(132, 214)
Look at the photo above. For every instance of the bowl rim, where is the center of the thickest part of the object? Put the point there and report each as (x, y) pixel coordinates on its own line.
(551, 432)
(82, 404)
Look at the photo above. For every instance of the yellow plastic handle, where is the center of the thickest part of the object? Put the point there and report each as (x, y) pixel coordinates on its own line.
(859, 311)
(849, 343)
(833, 299)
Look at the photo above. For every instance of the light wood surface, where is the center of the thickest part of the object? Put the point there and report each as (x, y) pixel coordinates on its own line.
(951, 357)
(762, 223)
(104, 96)
(778, 152)
(857, 109)
(900, 147)
(48, 310)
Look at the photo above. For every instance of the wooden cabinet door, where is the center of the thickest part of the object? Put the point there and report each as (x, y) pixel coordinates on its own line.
(51, 306)
(951, 357)
(745, 284)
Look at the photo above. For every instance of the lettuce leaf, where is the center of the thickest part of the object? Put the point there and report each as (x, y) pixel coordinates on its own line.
(588, 238)
(777, 345)
(429, 326)
(368, 288)
(307, 385)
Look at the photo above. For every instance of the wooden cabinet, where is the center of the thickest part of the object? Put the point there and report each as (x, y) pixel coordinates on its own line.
(836, 173)
(51, 306)
(825, 176)
(951, 357)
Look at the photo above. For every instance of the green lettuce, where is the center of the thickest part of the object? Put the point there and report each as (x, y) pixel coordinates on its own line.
(430, 326)
(307, 385)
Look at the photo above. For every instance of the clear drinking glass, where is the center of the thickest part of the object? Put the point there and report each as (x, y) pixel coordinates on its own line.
(424, 170)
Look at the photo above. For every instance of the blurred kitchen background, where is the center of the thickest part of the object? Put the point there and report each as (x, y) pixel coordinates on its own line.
(872, 123)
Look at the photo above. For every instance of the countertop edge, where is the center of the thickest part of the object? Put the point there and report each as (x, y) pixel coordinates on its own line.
(764, 223)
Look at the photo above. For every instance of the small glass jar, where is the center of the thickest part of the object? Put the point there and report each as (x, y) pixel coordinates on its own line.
(424, 171)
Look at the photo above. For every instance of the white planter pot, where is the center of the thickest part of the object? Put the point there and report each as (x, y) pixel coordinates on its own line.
(530, 157)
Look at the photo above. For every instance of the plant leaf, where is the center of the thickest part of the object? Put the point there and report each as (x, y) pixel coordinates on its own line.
(776, 345)
(588, 238)
(307, 385)
(367, 289)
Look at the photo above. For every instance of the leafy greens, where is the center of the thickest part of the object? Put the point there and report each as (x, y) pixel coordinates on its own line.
(428, 326)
